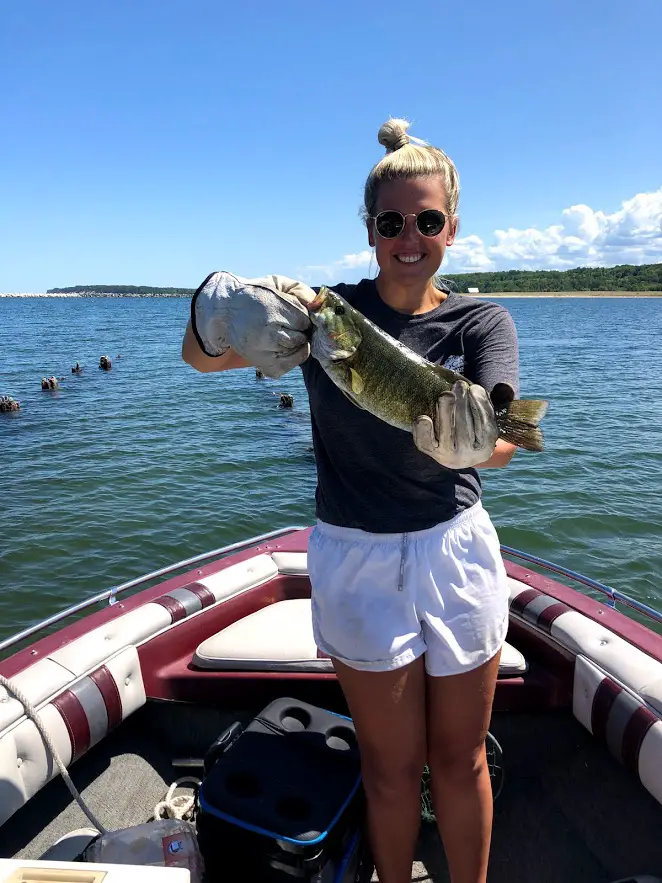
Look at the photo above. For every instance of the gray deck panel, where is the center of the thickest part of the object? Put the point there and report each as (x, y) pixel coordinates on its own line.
(568, 812)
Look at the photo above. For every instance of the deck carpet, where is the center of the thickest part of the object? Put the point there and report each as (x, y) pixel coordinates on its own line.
(568, 813)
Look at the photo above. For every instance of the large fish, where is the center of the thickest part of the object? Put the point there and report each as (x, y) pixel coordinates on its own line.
(386, 378)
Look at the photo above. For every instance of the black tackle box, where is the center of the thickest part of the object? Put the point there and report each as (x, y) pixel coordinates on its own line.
(282, 799)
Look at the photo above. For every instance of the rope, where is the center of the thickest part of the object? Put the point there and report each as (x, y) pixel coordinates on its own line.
(31, 712)
(180, 807)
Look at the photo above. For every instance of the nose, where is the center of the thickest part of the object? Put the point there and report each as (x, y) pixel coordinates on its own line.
(410, 229)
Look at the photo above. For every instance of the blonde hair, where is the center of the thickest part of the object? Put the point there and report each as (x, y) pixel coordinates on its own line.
(408, 157)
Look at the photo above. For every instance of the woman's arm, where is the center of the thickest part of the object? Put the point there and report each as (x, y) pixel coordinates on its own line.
(503, 454)
(194, 356)
(496, 357)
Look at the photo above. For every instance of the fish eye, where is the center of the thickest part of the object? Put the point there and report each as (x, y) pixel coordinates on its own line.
(339, 310)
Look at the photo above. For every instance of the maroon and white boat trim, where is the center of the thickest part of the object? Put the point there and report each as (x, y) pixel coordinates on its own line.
(239, 617)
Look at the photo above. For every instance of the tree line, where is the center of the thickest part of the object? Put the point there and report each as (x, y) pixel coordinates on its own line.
(122, 289)
(625, 277)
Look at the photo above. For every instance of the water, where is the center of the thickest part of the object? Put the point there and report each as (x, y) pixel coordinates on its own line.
(123, 472)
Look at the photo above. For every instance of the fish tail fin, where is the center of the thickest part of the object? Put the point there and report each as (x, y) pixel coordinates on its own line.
(518, 423)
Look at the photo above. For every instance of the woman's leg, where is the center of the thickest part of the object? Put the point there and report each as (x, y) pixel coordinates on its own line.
(388, 711)
(459, 708)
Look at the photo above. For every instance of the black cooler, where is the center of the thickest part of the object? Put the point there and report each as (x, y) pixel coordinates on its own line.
(282, 800)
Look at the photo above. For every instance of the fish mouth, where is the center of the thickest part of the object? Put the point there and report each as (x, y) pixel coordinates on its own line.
(317, 302)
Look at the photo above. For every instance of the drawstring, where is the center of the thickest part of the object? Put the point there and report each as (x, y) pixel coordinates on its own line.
(403, 552)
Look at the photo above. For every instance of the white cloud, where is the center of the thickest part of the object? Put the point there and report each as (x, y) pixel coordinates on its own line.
(631, 235)
(584, 237)
(469, 253)
(332, 273)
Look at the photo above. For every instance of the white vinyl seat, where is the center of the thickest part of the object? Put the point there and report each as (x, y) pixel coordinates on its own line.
(76, 718)
(279, 638)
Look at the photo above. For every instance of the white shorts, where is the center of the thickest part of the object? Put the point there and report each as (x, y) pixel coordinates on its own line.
(380, 601)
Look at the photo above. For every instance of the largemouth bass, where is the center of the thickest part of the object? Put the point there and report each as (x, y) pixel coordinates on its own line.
(391, 381)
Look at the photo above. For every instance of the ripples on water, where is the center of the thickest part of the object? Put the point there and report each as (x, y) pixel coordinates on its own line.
(123, 472)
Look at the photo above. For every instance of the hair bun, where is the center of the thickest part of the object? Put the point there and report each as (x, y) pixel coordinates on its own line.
(393, 134)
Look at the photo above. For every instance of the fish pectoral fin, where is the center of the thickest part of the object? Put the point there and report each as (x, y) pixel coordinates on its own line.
(351, 398)
(356, 382)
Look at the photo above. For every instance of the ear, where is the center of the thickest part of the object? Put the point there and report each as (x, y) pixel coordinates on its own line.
(452, 230)
(371, 233)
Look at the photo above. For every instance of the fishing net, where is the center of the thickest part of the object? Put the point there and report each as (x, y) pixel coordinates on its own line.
(494, 765)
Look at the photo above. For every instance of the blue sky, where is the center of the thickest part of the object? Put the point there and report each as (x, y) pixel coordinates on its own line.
(153, 142)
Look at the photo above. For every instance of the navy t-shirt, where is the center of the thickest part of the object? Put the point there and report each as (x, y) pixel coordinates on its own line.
(371, 475)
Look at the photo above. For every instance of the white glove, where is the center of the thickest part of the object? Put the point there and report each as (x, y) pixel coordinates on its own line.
(260, 319)
(463, 432)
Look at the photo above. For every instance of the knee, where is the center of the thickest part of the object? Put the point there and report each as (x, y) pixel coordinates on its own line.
(460, 765)
(388, 782)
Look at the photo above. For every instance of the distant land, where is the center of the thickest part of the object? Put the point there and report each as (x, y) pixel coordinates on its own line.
(625, 277)
(624, 280)
(122, 291)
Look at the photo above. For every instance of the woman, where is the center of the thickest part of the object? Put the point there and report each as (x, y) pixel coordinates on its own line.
(409, 590)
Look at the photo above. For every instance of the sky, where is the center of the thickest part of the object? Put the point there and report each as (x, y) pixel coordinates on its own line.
(151, 142)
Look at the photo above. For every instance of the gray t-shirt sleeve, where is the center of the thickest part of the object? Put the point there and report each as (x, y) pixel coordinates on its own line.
(494, 354)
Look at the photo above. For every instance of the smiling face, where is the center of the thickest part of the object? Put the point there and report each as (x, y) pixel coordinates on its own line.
(411, 258)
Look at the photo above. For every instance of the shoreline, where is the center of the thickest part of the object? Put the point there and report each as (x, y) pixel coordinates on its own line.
(489, 295)
(36, 294)
(546, 294)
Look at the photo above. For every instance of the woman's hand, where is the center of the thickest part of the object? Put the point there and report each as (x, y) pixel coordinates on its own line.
(464, 431)
(262, 320)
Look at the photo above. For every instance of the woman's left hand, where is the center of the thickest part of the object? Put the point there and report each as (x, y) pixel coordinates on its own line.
(463, 432)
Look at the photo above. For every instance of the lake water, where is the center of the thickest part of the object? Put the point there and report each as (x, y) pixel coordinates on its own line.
(120, 473)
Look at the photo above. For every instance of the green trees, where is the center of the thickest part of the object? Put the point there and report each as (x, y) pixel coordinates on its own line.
(626, 277)
(122, 289)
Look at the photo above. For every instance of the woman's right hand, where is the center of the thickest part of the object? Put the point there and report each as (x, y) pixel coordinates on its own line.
(262, 320)
(463, 432)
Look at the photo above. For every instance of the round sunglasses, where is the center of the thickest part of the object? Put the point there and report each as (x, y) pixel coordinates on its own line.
(390, 224)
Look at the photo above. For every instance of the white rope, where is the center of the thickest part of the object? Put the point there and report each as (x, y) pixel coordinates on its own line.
(180, 807)
(31, 712)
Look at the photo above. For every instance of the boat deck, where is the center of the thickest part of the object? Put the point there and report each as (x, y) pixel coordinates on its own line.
(559, 817)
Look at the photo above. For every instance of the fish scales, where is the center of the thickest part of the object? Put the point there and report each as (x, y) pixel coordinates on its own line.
(386, 378)
(375, 376)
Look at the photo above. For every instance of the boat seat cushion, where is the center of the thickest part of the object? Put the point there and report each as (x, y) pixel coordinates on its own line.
(76, 718)
(148, 620)
(279, 637)
(616, 715)
(291, 563)
(39, 682)
(583, 636)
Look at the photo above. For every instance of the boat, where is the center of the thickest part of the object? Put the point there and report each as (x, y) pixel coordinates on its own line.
(135, 684)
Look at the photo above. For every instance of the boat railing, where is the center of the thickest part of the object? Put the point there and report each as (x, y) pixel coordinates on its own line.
(110, 595)
(613, 595)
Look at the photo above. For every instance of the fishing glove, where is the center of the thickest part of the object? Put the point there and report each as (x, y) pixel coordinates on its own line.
(262, 320)
(463, 432)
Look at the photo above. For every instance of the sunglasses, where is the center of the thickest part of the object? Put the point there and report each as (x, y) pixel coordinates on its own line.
(390, 224)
